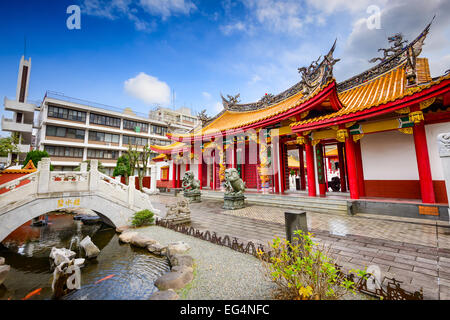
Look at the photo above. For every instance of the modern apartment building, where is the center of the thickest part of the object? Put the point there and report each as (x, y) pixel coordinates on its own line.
(72, 130)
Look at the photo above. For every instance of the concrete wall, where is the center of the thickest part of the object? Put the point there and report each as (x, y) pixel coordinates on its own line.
(432, 131)
(389, 156)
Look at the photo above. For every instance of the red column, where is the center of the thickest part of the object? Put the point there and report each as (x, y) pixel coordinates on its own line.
(174, 174)
(423, 164)
(200, 169)
(214, 172)
(178, 176)
(275, 159)
(352, 167)
(342, 175)
(282, 168)
(310, 168)
(359, 169)
(302, 168)
(235, 155)
(321, 170)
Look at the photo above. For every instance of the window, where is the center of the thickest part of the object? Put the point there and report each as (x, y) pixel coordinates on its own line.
(102, 154)
(164, 173)
(135, 126)
(104, 120)
(162, 131)
(134, 140)
(62, 132)
(68, 114)
(67, 152)
(103, 137)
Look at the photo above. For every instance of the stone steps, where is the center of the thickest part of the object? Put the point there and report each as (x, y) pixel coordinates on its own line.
(325, 205)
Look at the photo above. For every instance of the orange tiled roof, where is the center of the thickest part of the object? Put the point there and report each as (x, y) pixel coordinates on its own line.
(385, 88)
(234, 119)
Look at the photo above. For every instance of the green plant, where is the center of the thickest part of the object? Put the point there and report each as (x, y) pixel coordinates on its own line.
(123, 167)
(36, 156)
(141, 218)
(303, 271)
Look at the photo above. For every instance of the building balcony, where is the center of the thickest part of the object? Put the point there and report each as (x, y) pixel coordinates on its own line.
(13, 105)
(24, 148)
(10, 125)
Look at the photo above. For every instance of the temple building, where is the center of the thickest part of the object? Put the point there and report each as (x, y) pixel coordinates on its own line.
(376, 132)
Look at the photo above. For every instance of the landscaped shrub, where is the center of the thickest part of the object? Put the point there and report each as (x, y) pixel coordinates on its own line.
(141, 218)
(303, 271)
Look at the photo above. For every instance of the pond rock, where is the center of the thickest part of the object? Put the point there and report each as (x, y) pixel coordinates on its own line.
(177, 248)
(142, 241)
(164, 295)
(176, 279)
(181, 260)
(4, 270)
(61, 255)
(2, 261)
(157, 249)
(126, 237)
(91, 250)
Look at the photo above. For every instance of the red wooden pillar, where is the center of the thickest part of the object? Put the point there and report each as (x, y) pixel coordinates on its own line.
(174, 174)
(235, 155)
(214, 172)
(200, 169)
(359, 169)
(282, 168)
(302, 168)
(423, 164)
(352, 167)
(342, 175)
(258, 177)
(275, 161)
(178, 176)
(321, 170)
(310, 168)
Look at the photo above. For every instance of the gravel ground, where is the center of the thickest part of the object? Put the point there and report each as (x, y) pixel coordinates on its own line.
(220, 273)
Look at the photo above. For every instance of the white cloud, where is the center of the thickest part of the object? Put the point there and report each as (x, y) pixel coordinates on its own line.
(148, 89)
(206, 95)
(218, 106)
(167, 8)
(135, 9)
(232, 27)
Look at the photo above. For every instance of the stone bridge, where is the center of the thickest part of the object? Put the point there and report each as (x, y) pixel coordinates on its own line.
(44, 191)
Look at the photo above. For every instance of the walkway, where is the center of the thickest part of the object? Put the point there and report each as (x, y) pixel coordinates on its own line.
(411, 250)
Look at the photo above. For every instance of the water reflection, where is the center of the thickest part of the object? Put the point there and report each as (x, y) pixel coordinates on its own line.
(27, 251)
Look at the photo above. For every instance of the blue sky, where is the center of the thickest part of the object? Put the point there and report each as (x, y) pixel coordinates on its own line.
(133, 53)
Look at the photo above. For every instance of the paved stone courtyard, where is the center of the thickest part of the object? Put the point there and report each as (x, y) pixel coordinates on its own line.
(414, 251)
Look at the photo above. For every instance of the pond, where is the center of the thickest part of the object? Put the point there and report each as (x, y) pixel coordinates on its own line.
(126, 273)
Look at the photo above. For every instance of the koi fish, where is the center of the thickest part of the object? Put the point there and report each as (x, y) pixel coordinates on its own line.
(32, 293)
(105, 278)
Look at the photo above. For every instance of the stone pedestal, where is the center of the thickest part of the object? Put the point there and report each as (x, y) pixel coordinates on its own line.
(193, 196)
(233, 202)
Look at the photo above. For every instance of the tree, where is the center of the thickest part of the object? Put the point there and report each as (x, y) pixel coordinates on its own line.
(100, 168)
(139, 161)
(123, 167)
(9, 145)
(35, 156)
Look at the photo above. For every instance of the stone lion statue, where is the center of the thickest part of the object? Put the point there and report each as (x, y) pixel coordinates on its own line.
(190, 183)
(233, 183)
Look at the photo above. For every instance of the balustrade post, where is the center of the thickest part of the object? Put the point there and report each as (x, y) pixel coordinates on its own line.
(44, 175)
(93, 176)
(131, 188)
(153, 178)
(83, 167)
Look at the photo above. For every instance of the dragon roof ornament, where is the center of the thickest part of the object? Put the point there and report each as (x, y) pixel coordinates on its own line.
(314, 76)
(394, 56)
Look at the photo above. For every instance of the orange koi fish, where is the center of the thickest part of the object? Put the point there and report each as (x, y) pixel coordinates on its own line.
(32, 293)
(105, 278)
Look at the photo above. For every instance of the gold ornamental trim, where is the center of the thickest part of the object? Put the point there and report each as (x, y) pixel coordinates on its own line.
(416, 117)
(341, 135)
